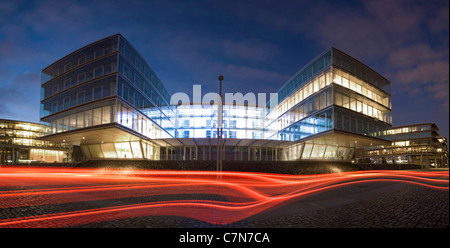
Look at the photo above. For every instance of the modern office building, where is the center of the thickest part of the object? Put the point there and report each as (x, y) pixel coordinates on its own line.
(106, 99)
(332, 106)
(20, 143)
(410, 144)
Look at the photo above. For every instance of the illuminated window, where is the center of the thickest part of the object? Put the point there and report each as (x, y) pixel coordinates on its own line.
(123, 150)
(136, 148)
(345, 82)
(359, 106)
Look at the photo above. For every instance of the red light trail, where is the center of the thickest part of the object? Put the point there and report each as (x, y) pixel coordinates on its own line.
(243, 194)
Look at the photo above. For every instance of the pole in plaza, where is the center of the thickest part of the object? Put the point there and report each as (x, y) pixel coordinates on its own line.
(220, 132)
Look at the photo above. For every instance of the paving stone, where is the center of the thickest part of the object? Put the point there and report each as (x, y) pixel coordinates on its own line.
(409, 206)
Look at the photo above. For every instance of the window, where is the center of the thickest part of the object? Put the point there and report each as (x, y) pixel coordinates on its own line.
(338, 99)
(99, 52)
(82, 59)
(233, 134)
(73, 122)
(360, 126)
(316, 103)
(123, 150)
(125, 92)
(106, 114)
(186, 123)
(97, 116)
(54, 106)
(345, 101)
(338, 120)
(80, 120)
(68, 66)
(337, 78)
(365, 111)
(97, 92)
(353, 86)
(346, 122)
(186, 134)
(137, 81)
(88, 118)
(108, 68)
(345, 82)
(126, 71)
(81, 77)
(66, 102)
(322, 100)
(322, 81)
(98, 71)
(233, 123)
(80, 98)
(208, 133)
(316, 85)
(66, 123)
(354, 125)
(358, 106)
(54, 89)
(358, 88)
(67, 83)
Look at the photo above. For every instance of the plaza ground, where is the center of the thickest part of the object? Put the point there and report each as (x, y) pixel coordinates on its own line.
(363, 205)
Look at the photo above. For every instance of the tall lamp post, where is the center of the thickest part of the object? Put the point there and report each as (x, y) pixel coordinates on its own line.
(220, 132)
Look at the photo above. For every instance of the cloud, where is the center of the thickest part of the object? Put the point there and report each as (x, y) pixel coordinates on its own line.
(57, 16)
(439, 22)
(255, 74)
(416, 53)
(439, 91)
(424, 73)
(20, 98)
(199, 60)
(406, 41)
(250, 49)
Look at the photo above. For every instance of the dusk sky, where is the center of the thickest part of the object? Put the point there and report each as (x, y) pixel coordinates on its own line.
(256, 45)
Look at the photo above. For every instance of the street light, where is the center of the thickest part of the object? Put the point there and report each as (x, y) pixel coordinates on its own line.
(220, 132)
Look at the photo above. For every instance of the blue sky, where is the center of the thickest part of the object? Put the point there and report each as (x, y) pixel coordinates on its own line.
(256, 45)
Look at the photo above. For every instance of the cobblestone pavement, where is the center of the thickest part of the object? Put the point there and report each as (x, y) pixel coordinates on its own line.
(409, 206)
(370, 205)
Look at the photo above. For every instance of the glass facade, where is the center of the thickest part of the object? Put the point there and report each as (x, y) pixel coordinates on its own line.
(108, 83)
(200, 121)
(338, 93)
(413, 144)
(20, 143)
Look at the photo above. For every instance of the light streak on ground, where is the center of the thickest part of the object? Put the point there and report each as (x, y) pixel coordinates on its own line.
(244, 194)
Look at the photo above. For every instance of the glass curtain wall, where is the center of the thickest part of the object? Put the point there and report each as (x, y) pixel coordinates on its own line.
(334, 78)
(200, 121)
(20, 143)
(122, 150)
(139, 85)
(79, 77)
(317, 151)
(300, 104)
